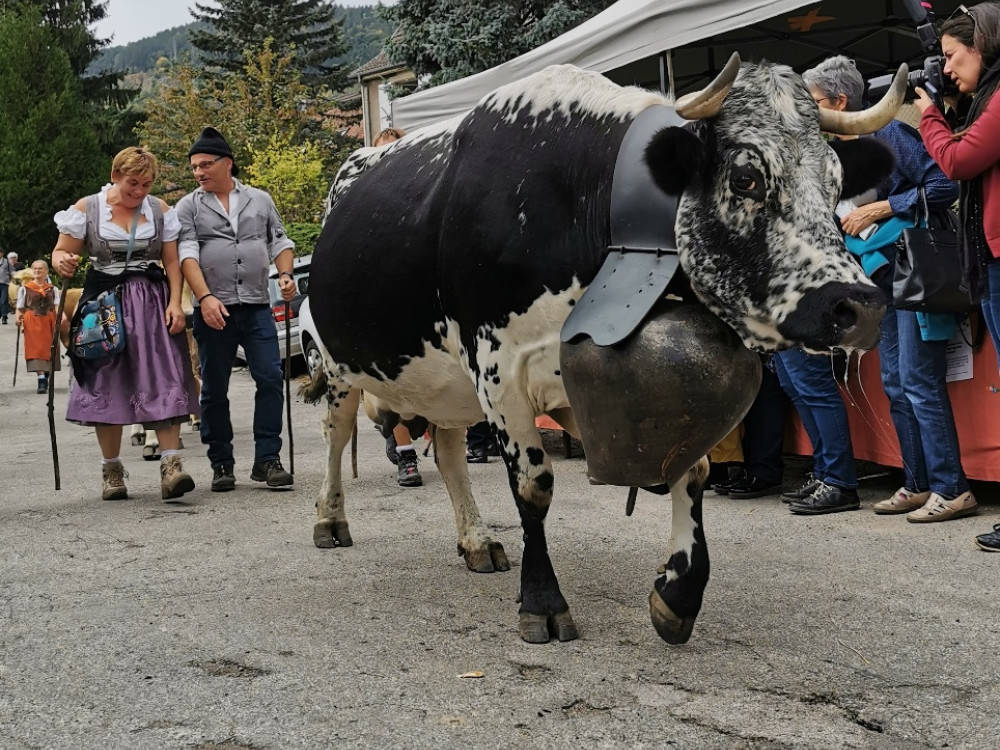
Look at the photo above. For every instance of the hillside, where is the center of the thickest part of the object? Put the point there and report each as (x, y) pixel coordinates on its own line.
(364, 31)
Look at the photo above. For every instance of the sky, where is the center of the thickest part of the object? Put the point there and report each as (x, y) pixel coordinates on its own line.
(131, 20)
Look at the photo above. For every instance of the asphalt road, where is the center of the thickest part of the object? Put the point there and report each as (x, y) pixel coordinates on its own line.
(218, 625)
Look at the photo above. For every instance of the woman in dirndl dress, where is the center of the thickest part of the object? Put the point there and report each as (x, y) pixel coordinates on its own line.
(150, 381)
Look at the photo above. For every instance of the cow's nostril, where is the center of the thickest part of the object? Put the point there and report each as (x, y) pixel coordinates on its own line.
(845, 314)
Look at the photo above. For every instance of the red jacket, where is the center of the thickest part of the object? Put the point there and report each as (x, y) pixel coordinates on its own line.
(975, 152)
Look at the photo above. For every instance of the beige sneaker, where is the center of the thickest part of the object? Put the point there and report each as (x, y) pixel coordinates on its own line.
(902, 502)
(938, 509)
(174, 481)
(114, 481)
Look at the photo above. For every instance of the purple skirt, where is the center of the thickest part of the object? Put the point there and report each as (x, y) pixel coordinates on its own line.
(150, 382)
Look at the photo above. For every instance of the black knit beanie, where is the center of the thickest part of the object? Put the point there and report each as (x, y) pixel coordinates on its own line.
(211, 142)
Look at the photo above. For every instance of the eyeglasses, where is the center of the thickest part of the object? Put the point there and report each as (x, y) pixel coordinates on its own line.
(821, 99)
(965, 12)
(205, 164)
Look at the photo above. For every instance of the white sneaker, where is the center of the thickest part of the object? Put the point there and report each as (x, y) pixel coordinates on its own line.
(938, 509)
(902, 502)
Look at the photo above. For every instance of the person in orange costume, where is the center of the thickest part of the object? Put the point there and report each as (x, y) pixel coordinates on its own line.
(37, 301)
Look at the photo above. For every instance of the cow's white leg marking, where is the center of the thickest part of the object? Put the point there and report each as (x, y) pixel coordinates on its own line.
(482, 554)
(676, 597)
(331, 528)
(544, 611)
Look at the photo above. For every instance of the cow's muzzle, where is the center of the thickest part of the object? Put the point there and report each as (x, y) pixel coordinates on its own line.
(837, 315)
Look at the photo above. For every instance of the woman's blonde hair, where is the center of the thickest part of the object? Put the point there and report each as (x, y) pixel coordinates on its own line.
(135, 160)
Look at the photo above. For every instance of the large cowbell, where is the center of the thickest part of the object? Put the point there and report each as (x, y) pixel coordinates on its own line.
(654, 382)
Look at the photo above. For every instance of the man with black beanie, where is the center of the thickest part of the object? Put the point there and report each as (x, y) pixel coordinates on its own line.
(230, 234)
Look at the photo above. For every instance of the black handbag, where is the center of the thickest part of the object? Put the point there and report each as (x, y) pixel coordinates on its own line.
(928, 275)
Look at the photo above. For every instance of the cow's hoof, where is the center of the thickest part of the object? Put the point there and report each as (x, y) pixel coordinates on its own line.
(329, 534)
(540, 628)
(670, 627)
(489, 559)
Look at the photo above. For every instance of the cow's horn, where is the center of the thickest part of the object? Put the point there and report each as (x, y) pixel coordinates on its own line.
(706, 103)
(871, 119)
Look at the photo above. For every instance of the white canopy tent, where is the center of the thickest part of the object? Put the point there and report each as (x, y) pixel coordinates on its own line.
(627, 42)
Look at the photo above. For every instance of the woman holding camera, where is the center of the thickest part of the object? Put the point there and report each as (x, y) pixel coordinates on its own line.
(970, 41)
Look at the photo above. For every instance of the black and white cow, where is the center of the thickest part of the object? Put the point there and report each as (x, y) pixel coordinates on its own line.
(493, 224)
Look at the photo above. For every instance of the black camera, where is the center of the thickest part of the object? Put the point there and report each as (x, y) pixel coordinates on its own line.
(931, 76)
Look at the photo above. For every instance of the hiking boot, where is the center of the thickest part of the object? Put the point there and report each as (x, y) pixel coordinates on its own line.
(826, 498)
(114, 481)
(174, 481)
(802, 492)
(902, 502)
(938, 509)
(272, 472)
(990, 541)
(223, 479)
(407, 474)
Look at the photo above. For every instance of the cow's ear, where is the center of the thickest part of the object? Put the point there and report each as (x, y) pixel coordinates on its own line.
(675, 157)
(866, 163)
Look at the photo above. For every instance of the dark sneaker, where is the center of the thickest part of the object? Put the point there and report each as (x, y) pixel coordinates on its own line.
(407, 474)
(390, 450)
(991, 540)
(722, 488)
(223, 479)
(43, 385)
(802, 492)
(753, 487)
(272, 472)
(826, 498)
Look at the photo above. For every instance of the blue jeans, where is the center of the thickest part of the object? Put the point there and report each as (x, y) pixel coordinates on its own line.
(991, 303)
(4, 301)
(809, 382)
(913, 375)
(252, 327)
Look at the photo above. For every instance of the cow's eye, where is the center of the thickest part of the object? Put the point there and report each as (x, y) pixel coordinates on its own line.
(746, 181)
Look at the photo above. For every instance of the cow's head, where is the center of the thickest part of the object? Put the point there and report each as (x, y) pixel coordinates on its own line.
(755, 225)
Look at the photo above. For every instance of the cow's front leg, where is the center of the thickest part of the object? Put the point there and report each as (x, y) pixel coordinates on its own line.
(676, 597)
(481, 552)
(331, 528)
(544, 612)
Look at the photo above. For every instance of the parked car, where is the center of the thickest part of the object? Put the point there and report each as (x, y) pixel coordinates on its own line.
(309, 343)
(300, 269)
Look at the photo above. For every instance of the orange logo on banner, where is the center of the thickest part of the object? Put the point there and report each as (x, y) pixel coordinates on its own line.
(806, 22)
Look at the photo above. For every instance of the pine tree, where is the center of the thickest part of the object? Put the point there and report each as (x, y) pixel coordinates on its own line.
(308, 28)
(49, 154)
(450, 39)
(105, 98)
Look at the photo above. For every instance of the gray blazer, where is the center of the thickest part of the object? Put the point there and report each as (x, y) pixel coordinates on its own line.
(234, 263)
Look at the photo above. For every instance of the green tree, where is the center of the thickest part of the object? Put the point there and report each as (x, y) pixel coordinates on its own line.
(292, 174)
(263, 111)
(307, 28)
(105, 97)
(450, 39)
(49, 154)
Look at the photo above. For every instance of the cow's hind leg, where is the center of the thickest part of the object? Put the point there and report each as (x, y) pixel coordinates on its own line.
(331, 528)
(544, 612)
(481, 552)
(676, 597)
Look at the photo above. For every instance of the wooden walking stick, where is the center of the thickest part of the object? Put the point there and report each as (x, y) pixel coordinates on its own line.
(288, 385)
(17, 355)
(53, 358)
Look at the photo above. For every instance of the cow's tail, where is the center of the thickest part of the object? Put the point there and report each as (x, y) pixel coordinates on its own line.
(313, 389)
